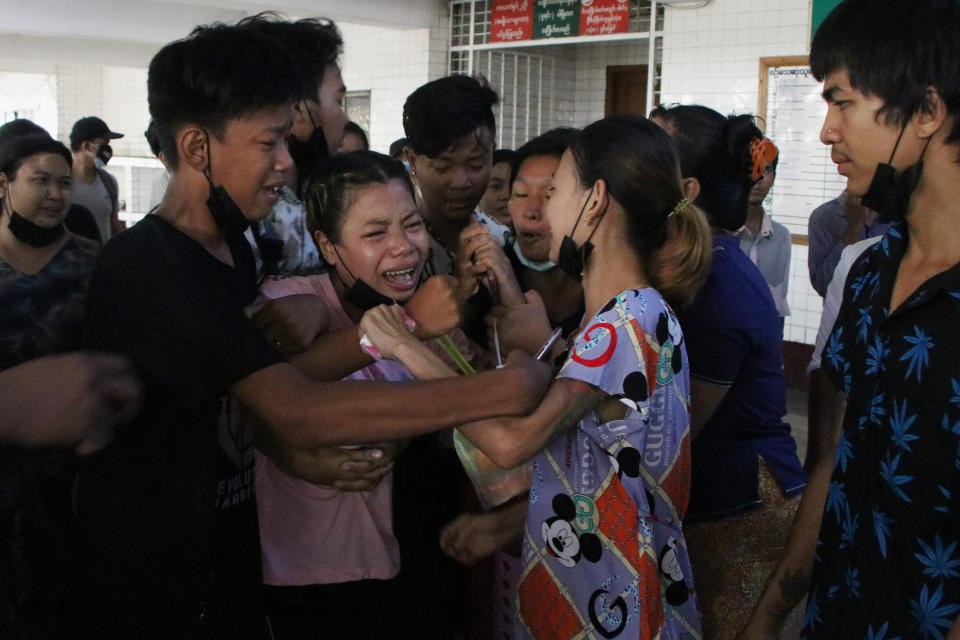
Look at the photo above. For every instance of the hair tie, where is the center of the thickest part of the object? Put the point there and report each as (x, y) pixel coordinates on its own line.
(683, 204)
(762, 151)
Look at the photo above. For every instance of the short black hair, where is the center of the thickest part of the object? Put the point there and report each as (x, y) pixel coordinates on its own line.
(355, 129)
(20, 127)
(443, 110)
(151, 135)
(332, 185)
(714, 149)
(503, 155)
(18, 148)
(552, 143)
(316, 43)
(216, 74)
(397, 147)
(894, 50)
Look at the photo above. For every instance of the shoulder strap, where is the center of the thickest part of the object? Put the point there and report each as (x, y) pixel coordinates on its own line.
(112, 189)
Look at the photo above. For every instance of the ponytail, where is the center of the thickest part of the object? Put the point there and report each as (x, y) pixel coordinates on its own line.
(680, 267)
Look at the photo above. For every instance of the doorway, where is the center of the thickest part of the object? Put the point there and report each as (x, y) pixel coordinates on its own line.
(626, 90)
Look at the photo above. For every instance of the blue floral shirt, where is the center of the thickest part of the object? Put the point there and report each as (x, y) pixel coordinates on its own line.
(888, 557)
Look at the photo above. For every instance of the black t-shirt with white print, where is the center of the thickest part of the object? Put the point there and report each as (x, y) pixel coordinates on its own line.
(168, 543)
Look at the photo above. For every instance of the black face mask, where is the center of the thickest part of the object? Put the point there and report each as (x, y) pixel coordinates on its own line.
(105, 152)
(889, 192)
(308, 153)
(226, 214)
(364, 296)
(33, 234)
(360, 294)
(572, 260)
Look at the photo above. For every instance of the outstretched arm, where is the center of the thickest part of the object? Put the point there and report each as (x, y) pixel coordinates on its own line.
(310, 414)
(93, 393)
(512, 440)
(509, 439)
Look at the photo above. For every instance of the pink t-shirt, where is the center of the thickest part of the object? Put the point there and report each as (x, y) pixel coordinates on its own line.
(311, 534)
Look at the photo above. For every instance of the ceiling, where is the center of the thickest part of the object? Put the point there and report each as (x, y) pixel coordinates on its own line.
(159, 21)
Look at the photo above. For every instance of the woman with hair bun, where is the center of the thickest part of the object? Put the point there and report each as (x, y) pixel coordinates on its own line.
(603, 549)
(746, 474)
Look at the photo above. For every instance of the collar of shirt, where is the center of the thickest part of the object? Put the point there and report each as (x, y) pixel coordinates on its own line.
(885, 259)
(766, 229)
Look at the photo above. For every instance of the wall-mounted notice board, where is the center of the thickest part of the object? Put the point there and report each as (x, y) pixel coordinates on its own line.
(792, 110)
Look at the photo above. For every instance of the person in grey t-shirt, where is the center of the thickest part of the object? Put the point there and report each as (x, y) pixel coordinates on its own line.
(93, 187)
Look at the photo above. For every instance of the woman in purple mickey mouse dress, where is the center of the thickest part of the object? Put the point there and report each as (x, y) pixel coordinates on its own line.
(603, 550)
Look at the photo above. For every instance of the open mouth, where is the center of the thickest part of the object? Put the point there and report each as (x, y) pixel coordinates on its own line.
(401, 277)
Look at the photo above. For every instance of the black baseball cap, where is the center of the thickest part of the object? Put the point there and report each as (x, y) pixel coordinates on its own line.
(91, 128)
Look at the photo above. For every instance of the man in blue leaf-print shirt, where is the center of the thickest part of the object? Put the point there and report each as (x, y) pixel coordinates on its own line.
(876, 543)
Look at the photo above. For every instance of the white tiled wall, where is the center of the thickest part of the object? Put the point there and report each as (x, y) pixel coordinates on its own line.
(592, 62)
(711, 57)
(124, 107)
(806, 305)
(391, 63)
(79, 94)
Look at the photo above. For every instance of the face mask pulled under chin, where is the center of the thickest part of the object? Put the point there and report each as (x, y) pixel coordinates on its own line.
(544, 265)
(307, 153)
(573, 260)
(362, 295)
(33, 234)
(889, 191)
(226, 214)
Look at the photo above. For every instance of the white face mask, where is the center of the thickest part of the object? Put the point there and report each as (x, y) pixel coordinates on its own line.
(546, 265)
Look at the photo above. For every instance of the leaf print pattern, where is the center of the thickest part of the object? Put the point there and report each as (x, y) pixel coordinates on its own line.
(931, 616)
(918, 356)
(887, 561)
(939, 560)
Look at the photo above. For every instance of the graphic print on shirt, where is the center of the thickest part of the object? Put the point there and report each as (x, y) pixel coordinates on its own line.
(624, 483)
(235, 437)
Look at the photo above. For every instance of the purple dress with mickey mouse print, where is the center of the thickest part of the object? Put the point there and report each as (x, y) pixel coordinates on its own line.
(603, 551)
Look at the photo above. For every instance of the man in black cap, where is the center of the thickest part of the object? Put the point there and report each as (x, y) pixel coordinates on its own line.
(93, 186)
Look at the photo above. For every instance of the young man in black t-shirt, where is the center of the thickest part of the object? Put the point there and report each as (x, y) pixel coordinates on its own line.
(168, 537)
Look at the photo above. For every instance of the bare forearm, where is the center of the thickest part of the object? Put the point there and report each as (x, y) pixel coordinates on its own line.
(513, 516)
(704, 400)
(820, 405)
(318, 414)
(790, 582)
(791, 579)
(954, 630)
(422, 363)
(512, 440)
(333, 355)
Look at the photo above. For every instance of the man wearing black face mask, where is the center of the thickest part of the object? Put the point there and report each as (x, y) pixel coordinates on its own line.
(94, 187)
(317, 131)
